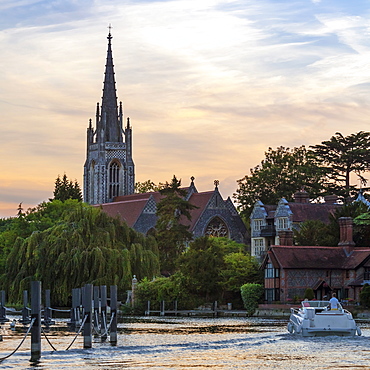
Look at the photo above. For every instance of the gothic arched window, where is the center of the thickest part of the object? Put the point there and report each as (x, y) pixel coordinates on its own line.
(217, 228)
(114, 180)
(91, 183)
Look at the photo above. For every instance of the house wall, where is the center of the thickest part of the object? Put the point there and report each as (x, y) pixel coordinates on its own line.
(292, 283)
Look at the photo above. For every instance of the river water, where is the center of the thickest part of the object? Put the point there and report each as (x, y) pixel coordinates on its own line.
(192, 343)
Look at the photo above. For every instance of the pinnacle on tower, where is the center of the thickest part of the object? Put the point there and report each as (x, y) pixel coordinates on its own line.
(109, 109)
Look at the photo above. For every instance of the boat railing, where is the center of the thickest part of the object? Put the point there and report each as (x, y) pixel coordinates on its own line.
(294, 310)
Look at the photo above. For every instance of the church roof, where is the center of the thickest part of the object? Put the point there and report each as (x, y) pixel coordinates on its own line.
(199, 200)
(129, 210)
(138, 196)
(130, 207)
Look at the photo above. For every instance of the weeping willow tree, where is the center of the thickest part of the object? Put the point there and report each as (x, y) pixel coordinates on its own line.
(86, 246)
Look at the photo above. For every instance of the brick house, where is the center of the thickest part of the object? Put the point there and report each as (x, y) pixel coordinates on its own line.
(290, 270)
(267, 221)
(213, 216)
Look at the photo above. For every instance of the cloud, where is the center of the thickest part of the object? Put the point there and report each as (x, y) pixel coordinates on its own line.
(209, 85)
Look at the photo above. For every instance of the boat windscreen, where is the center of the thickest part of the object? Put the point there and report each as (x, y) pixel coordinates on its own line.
(315, 303)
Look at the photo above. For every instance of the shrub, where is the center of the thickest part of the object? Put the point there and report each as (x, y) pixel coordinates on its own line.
(251, 295)
(164, 289)
(309, 294)
(365, 296)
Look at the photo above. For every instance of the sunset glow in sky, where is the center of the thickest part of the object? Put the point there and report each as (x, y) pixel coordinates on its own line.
(208, 85)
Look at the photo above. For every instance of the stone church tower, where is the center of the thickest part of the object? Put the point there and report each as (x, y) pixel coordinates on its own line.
(109, 170)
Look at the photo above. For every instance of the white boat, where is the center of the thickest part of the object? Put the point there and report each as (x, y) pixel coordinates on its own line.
(314, 318)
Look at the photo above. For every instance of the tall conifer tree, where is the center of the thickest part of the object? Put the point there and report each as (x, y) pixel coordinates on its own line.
(172, 233)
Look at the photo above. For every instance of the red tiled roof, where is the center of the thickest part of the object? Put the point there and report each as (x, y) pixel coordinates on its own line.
(199, 200)
(129, 210)
(356, 258)
(137, 196)
(307, 257)
(312, 211)
(129, 207)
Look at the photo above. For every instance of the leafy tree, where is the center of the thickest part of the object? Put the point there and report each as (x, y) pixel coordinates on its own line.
(352, 210)
(40, 218)
(240, 268)
(147, 186)
(203, 263)
(365, 296)
(340, 157)
(67, 189)
(251, 295)
(283, 172)
(172, 233)
(210, 269)
(362, 229)
(315, 233)
(85, 246)
(165, 289)
(216, 268)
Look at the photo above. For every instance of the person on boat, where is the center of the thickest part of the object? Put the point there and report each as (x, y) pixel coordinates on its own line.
(334, 302)
(305, 303)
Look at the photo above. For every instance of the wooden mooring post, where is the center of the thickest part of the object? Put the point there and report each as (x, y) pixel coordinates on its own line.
(103, 312)
(87, 303)
(25, 314)
(36, 316)
(113, 312)
(162, 308)
(75, 309)
(147, 312)
(2, 307)
(96, 307)
(47, 310)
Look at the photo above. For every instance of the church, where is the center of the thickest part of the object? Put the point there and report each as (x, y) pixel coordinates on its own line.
(109, 176)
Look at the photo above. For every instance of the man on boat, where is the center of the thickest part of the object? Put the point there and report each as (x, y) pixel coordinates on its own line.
(334, 302)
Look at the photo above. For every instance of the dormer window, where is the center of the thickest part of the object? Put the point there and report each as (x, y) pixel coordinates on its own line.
(282, 223)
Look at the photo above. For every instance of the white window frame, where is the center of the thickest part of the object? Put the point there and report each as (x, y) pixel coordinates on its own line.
(258, 224)
(258, 246)
(282, 223)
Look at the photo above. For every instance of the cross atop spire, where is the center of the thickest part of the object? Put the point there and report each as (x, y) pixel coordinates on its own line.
(109, 34)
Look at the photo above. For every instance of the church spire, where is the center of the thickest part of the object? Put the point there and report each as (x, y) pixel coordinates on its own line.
(109, 110)
(109, 169)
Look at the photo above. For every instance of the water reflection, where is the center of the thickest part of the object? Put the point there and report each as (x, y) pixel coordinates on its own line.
(187, 343)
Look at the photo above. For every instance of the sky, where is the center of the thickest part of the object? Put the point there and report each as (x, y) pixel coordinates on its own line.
(209, 85)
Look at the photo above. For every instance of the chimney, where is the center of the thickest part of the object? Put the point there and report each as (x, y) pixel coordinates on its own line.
(346, 234)
(285, 238)
(330, 199)
(301, 196)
